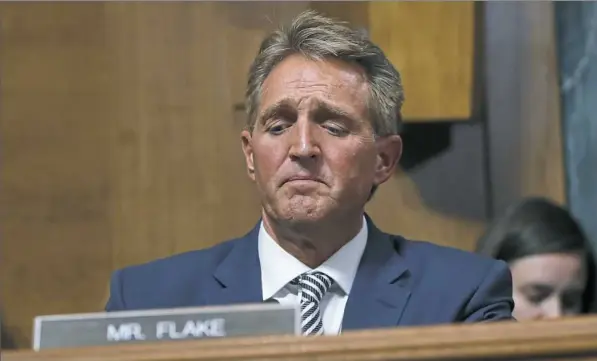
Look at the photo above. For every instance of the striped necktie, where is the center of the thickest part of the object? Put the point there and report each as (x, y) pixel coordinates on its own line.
(312, 286)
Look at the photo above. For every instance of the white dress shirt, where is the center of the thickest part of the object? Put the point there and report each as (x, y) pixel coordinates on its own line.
(278, 268)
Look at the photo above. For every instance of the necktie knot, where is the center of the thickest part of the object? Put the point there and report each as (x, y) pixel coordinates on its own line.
(313, 286)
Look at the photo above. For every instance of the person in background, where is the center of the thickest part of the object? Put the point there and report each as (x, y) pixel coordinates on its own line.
(552, 263)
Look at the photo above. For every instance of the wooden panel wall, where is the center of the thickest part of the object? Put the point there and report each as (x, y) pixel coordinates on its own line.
(523, 119)
(57, 103)
(177, 177)
(439, 76)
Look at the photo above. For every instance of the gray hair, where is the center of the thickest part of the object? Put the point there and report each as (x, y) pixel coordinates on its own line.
(318, 37)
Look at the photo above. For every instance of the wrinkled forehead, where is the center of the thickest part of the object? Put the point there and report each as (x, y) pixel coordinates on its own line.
(304, 83)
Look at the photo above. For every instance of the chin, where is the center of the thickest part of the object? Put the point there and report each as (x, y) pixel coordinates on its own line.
(301, 217)
(303, 210)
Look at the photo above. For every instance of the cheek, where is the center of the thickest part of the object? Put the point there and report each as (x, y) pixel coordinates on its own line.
(352, 166)
(355, 157)
(523, 309)
(266, 162)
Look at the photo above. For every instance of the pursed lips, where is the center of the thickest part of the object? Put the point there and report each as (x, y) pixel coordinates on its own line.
(303, 178)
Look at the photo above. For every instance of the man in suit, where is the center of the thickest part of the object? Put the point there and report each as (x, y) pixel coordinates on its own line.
(322, 134)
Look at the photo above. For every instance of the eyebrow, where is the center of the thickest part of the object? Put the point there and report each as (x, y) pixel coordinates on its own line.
(322, 108)
(544, 288)
(329, 109)
(276, 108)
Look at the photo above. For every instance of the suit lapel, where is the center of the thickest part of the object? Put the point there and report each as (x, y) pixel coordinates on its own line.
(237, 279)
(381, 289)
(377, 299)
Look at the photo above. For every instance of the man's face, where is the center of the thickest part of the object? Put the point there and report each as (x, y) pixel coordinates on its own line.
(312, 152)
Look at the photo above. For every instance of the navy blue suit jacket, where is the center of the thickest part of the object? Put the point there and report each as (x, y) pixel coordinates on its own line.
(398, 283)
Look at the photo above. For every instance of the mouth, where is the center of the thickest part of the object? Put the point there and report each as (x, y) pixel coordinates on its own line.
(300, 179)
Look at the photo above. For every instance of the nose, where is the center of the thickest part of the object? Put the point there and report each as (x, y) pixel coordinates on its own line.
(303, 140)
(552, 308)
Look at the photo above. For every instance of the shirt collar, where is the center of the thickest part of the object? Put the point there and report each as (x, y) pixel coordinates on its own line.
(278, 267)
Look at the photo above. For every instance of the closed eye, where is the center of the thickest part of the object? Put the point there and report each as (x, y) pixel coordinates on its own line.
(278, 127)
(537, 293)
(335, 130)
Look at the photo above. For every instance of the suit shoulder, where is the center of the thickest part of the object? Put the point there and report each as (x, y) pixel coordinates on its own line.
(445, 258)
(191, 261)
(167, 282)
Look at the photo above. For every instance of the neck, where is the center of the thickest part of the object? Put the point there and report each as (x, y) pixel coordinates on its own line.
(313, 243)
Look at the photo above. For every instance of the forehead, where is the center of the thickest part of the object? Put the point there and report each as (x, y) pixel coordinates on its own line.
(557, 269)
(299, 79)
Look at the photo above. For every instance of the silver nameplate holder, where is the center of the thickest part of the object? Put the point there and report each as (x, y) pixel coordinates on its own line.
(110, 328)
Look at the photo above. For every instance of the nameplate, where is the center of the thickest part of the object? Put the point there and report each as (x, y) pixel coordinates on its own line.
(108, 328)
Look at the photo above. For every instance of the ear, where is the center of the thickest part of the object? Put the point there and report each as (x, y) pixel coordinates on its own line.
(389, 151)
(247, 145)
